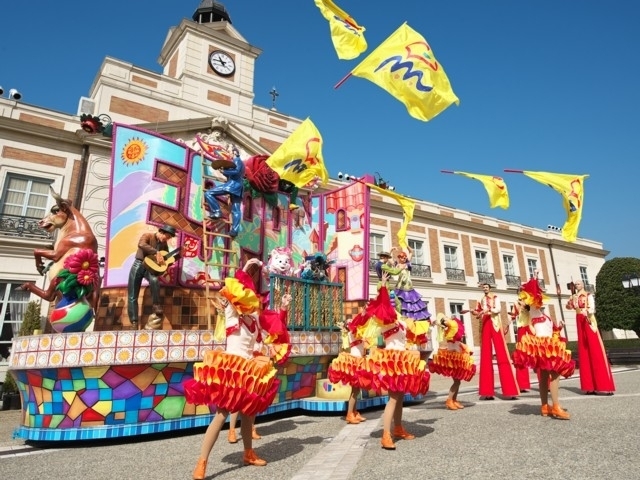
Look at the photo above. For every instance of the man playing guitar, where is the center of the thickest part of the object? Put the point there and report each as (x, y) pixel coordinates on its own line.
(149, 244)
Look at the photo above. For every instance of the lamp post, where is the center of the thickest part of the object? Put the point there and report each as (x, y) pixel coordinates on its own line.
(631, 281)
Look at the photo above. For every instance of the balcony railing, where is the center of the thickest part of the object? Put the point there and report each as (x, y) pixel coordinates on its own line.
(417, 271)
(25, 227)
(590, 288)
(421, 271)
(513, 281)
(455, 274)
(486, 277)
(541, 283)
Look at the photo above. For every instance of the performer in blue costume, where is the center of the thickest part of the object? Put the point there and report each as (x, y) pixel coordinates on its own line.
(234, 187)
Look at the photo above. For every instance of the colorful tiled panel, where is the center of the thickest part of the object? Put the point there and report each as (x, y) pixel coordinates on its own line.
(126, 347)
(112, 384)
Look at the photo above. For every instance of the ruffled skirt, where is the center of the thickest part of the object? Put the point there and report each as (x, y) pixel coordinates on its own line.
(449, 363)
(544, 353)
(411, 304)
(233, 383)
(395, 371)
(346, 368)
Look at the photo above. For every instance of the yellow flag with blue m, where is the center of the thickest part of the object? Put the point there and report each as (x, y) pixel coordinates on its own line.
(406, 67)
(299, 158)
(347, 36)
(571, 187)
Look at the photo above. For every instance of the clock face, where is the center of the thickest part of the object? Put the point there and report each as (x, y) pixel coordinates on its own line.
(222, 63)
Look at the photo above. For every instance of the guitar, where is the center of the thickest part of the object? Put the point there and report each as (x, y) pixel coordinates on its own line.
(169, 258)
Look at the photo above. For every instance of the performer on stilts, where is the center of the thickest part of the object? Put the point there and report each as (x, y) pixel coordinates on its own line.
(594, 368)
(522, 372)
(488, 312)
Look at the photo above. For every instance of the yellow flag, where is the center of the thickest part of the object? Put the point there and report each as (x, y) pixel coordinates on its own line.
(495, 187)
(346, 34)
(408, 207)
(405, 66)
(299, 158)
(571, 187)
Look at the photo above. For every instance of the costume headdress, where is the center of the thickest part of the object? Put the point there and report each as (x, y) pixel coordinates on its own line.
(241, 292)
(531, 293)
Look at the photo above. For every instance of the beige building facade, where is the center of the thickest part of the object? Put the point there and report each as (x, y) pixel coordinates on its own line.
(206, 87)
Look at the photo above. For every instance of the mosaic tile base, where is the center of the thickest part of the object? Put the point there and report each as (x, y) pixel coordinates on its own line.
(118, 431)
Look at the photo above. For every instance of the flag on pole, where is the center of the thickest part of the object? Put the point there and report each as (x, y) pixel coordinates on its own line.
(571, 187)
(405, 66)
(347, 36)
(299, 158)
(408, 207)
(495, 187)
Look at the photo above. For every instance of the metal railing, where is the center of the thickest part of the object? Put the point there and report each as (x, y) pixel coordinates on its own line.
(26, 227)
(513, 280)
(590, 288)
(421, 271)
(487, 277)
(455, 274)
(417, 270)
(541, 283)
(314, 305)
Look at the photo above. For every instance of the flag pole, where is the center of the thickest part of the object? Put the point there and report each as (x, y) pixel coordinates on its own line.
(346, 77)
(508, 170)
(447, 171)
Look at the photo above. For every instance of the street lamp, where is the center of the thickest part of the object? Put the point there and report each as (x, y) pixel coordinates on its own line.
(631, 281)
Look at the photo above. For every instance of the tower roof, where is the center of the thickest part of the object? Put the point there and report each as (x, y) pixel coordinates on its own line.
(211, 11)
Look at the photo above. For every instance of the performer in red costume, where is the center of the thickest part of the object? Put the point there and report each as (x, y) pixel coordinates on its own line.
(345, 368)
(393, 369)
(542, 349)
(595, 372)
(235, 380)
(453, 358)
(487, 311)
(522, 372)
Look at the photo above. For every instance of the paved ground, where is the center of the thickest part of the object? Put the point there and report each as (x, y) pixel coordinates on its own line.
(486, 440)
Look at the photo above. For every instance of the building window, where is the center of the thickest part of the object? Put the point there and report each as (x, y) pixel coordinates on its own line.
(418, 252)
(509, 268)
(532, 267)
(450, 256)
(12, 308)
(25, 197)
(583, 276)
(376, 244)
(481, 261)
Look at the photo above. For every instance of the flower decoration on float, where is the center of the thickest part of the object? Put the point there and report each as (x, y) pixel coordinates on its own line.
(80, 273)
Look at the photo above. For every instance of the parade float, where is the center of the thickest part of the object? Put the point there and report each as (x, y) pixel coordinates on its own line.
(115, 381)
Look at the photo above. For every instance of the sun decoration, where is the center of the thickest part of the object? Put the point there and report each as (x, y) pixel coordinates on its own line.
(134, 151)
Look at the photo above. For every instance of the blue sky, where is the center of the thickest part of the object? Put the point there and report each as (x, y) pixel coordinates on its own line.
(544, 86)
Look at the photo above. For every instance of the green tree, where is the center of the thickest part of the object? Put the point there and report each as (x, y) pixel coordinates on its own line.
(31, 320)
(616, 306)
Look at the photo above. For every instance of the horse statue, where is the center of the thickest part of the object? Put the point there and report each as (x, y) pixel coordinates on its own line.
(74, 252)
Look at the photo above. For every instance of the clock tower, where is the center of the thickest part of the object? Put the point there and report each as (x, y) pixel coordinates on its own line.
(213, 61)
